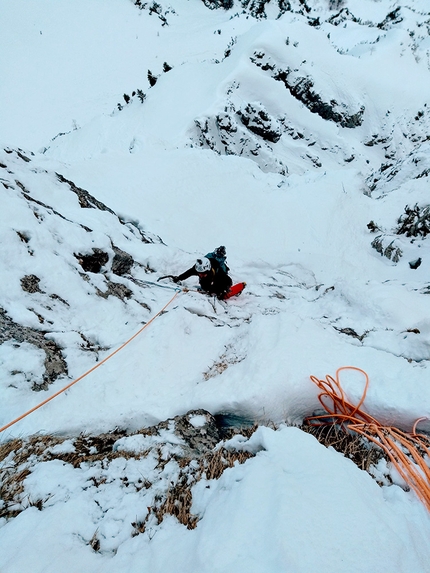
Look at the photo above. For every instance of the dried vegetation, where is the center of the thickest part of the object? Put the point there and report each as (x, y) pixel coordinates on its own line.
(195, 460)
(353, 446)
(202, 456)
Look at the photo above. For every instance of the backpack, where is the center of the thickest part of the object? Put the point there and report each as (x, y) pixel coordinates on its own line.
(220, 256)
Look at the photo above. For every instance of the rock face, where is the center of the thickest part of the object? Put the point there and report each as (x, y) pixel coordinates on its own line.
(246, 132)
(198, 429)
(54, 363)
(266, 129)
(94, 262)
(86, 200)
(303, 89)
(122, 262)
(66, 252)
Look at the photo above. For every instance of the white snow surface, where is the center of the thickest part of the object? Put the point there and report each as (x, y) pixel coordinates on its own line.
(169, 179)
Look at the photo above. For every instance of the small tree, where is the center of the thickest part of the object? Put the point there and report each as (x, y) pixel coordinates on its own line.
(152, 79)
(141, 95)
(414, 221)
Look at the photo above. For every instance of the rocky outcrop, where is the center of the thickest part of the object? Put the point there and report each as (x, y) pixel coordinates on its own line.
(94, 262)
(303, 89)
(71, 258)
(198, 429)
(54, 363)
(248, 132)
(86, 200)
(122, 262)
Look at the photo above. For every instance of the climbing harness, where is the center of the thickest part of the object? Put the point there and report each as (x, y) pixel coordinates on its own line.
(91, 369)
(406, 451)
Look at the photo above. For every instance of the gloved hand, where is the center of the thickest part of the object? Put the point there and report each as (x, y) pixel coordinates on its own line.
(175, 279)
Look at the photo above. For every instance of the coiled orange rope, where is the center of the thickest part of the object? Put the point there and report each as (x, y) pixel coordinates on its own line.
(408, 452)
(90, 370)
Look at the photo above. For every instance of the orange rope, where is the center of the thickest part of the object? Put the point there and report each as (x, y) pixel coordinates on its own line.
(90, 370)
(406, 451)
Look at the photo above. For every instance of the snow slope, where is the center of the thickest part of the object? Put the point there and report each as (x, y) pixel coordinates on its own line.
(295, 137)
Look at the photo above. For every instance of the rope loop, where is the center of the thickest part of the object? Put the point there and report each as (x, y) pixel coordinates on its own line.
(407, 452)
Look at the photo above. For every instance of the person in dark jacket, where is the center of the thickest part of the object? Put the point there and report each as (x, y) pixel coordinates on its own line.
(212, 277)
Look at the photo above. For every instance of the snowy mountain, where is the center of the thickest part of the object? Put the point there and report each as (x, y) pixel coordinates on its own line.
(146, 426)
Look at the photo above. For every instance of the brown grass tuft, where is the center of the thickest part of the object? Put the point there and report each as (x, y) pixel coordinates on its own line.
(9, 447)
(353, 446)
(214, 464)
(178, 503)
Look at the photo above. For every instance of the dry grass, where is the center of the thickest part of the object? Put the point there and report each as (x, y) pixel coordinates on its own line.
(214, 464)
(8, 448)
(17, 458)
(353, 446)
(178, 499)
(226, 359)
(15, 467)
(11, 490)
(177, 502)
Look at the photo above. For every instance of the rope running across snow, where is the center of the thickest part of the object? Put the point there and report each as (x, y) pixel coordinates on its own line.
(91, 369)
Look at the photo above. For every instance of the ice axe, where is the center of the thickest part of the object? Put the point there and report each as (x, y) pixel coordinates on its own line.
(166, 277)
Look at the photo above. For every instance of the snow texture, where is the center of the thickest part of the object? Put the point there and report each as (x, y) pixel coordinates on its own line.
(137, 136)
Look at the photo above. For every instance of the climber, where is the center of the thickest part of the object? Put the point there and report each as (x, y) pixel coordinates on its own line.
(212, 272)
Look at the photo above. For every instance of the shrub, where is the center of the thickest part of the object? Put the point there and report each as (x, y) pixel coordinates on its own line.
(414, 221)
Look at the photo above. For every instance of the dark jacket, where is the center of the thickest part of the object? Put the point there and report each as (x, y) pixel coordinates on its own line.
(216, 281)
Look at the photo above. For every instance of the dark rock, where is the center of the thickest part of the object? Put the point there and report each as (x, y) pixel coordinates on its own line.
(341, 17)
(303, 89)
(200, 438)
(57, 297)
(214, 4)
(86, 201)
(351, 332)
(93, 263)
(415, 264)
(390, 251)
(116, 289)
(259, 122)
(55, 365)
(122, 262)
(393, 17)
(415, 221)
